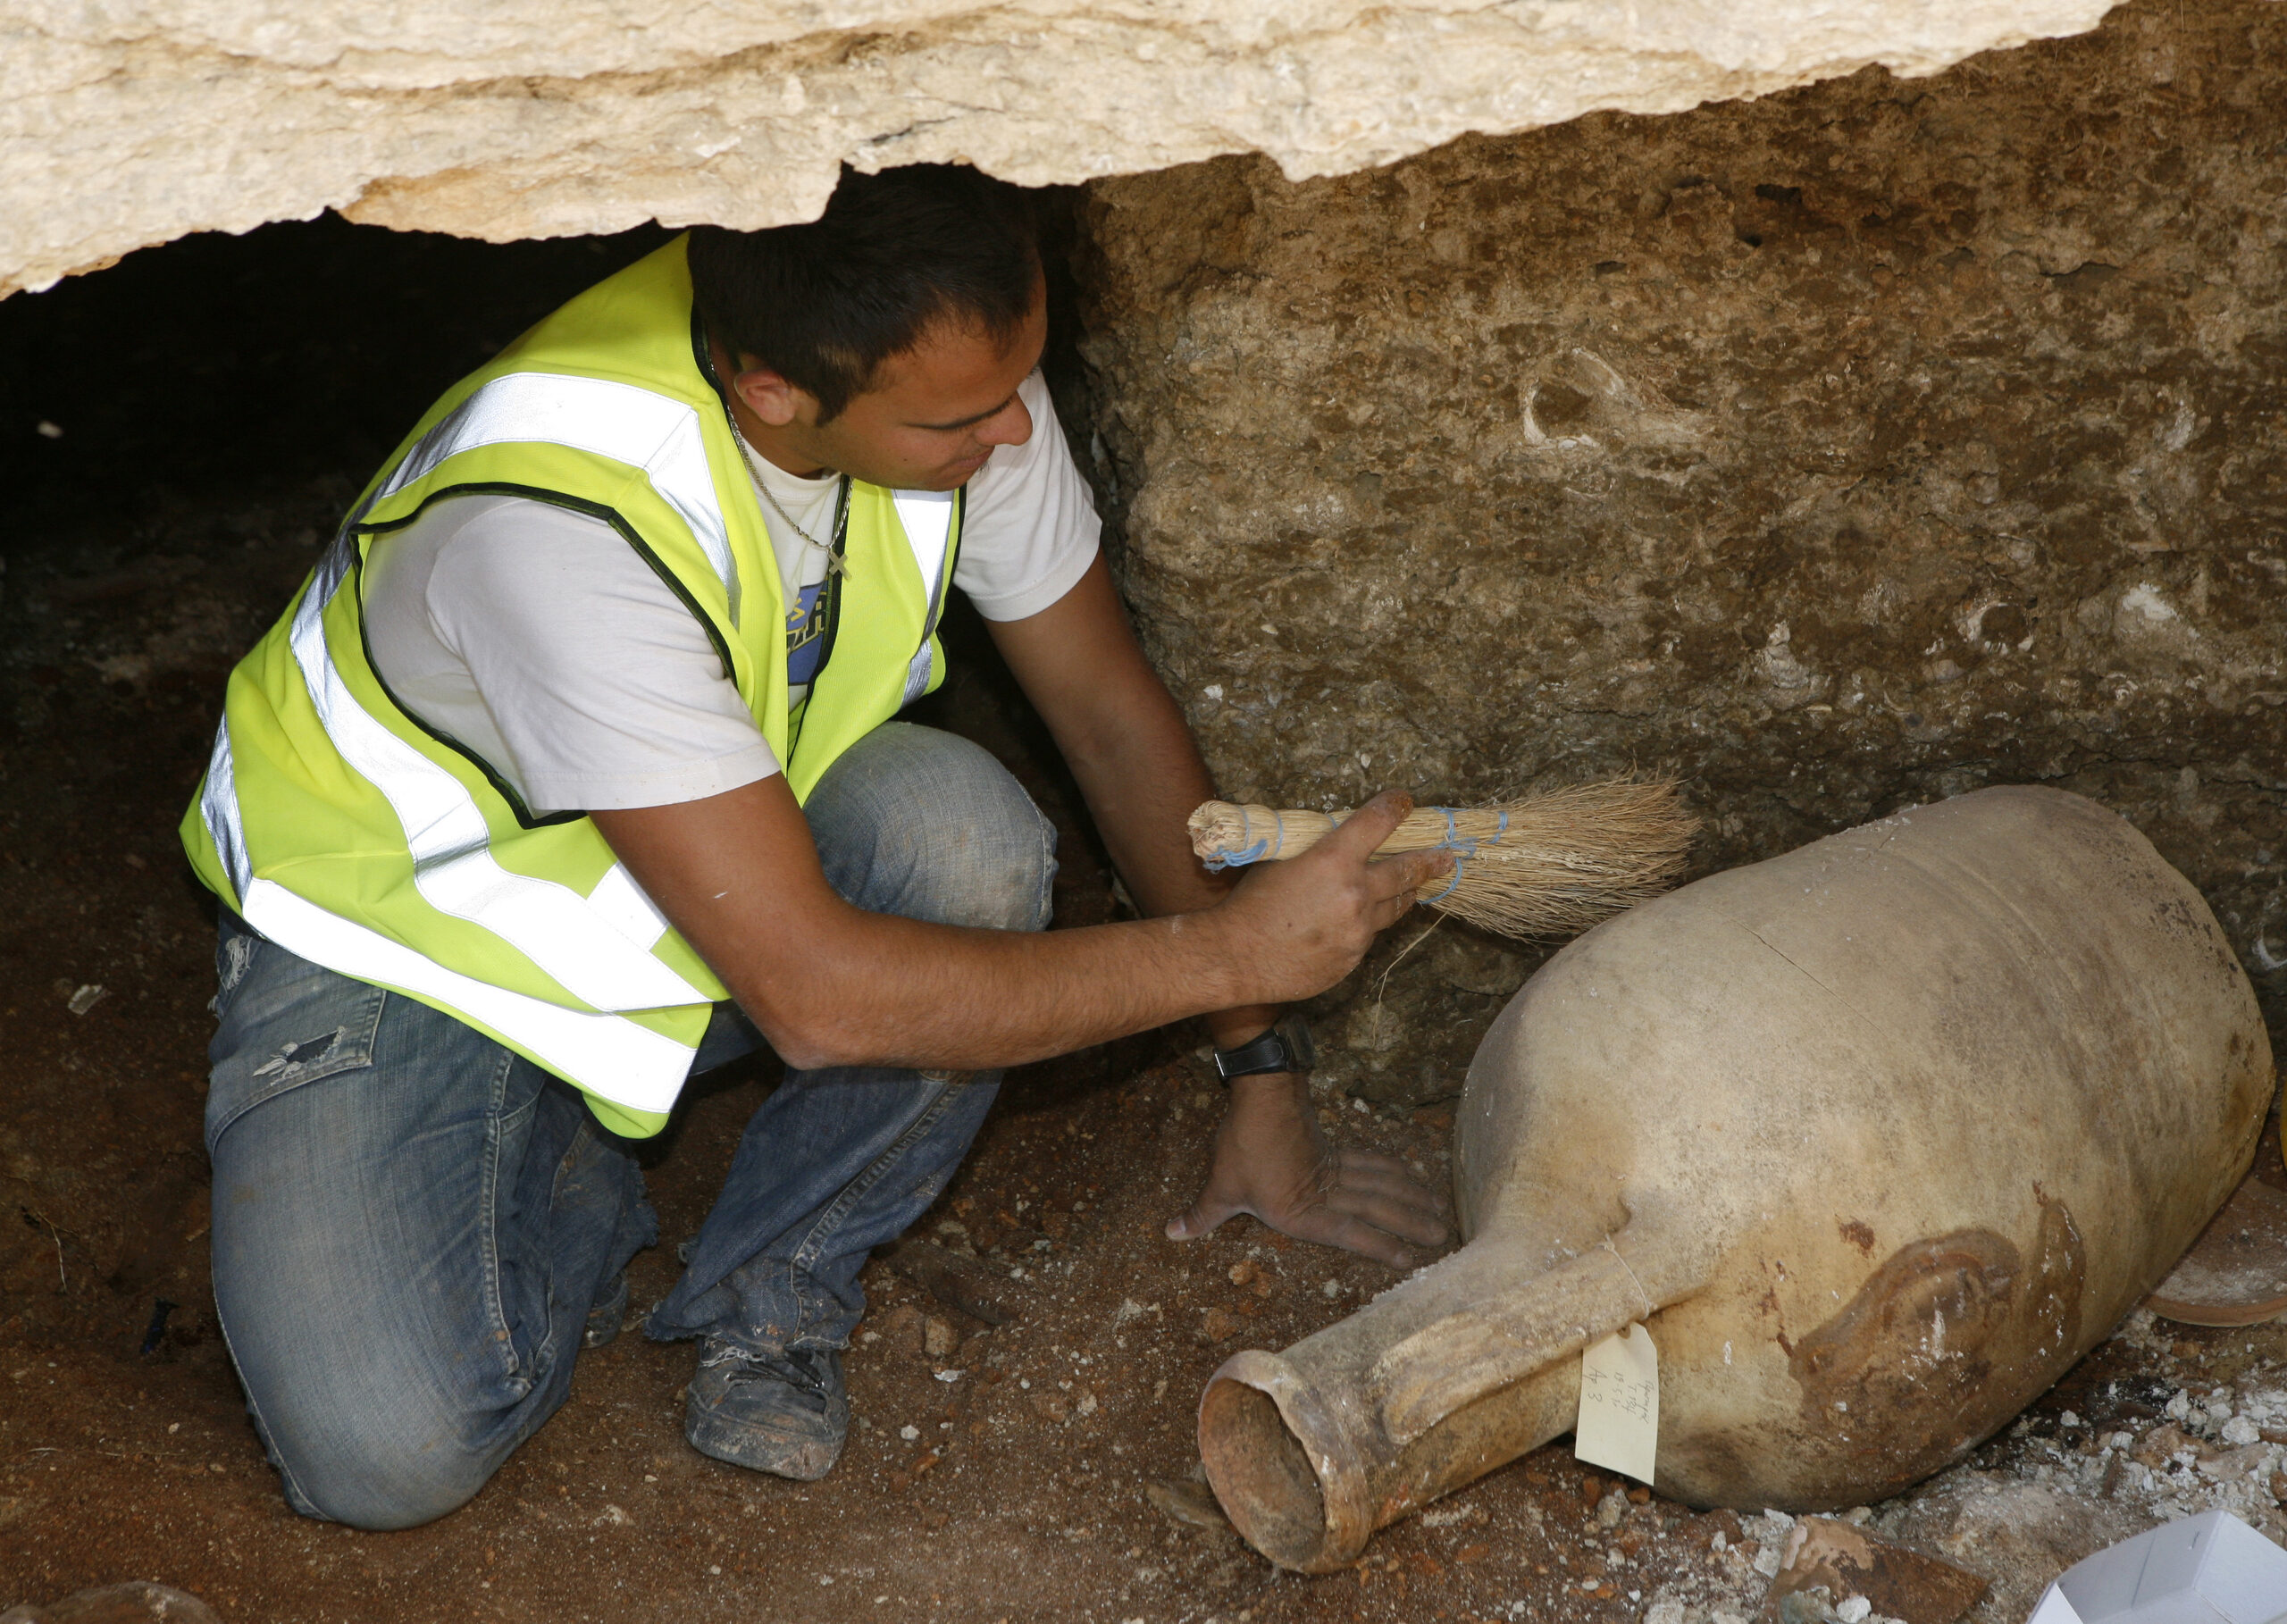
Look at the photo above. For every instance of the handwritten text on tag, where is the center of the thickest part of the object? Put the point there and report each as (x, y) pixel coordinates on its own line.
(1620, 1403)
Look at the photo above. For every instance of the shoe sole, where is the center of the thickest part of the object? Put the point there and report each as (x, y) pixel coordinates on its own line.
(803, 1459)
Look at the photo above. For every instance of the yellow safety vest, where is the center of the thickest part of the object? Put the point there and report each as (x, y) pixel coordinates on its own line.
(348, 832)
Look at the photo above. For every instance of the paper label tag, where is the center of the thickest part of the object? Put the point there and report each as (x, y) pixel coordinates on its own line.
(1620, 1404)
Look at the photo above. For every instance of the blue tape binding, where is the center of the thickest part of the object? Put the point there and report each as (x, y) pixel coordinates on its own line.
(1239, 859)
(1462, 849)
(1454, 842)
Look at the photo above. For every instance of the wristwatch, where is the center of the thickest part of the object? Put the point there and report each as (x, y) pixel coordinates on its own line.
(1285, 1047)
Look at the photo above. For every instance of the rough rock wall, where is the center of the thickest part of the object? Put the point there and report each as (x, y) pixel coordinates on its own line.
(125, 122)
(1849, 448)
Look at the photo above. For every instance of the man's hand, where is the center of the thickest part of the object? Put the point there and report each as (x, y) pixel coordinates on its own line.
(1307, 921)
(1271, 1160)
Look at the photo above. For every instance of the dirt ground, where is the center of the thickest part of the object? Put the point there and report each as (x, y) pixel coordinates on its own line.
(1054, 1479)
(1040, 1469)
(1020, 1490)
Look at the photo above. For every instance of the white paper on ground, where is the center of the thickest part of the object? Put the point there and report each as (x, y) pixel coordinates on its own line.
(1620, 1404)
(2211, 1568)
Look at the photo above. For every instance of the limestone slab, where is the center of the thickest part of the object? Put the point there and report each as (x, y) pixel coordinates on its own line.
(126, 123)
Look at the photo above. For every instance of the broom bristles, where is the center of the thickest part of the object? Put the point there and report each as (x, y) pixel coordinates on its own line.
(1544, 866)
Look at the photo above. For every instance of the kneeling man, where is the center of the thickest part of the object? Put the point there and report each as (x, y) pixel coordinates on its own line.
(574, 769)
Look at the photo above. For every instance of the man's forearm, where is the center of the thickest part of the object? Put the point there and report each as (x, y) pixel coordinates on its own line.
(1142, 777)
(897, 992)
(829, 984)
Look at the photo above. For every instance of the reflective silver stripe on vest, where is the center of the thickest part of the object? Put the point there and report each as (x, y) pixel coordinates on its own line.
(927, 517)
(636, 426)
(453, 866)
(606, 1054)
(218, 809)
(597, 951)
(627, 908)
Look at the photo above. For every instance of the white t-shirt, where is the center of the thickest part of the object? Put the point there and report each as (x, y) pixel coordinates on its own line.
(538, 639)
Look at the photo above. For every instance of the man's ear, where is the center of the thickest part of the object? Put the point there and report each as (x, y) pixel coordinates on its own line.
(769, 396)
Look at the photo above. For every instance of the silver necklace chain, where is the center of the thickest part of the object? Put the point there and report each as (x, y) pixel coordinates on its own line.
(834, 564)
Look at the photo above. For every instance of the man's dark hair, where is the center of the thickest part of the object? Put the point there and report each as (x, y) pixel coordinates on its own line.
(823, 305)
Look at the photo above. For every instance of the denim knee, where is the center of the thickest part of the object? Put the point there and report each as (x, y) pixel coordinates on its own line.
(388, 1473)
(381, 1414)
(926, 825)
(408, 1227)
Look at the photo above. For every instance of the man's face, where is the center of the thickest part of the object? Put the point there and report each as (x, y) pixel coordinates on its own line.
(933, 416)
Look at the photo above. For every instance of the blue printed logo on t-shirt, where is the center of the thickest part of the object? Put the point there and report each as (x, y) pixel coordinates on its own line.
(805, 635)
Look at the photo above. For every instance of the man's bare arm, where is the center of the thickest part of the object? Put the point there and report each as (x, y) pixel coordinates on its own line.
(828, 983)
(1129, 746)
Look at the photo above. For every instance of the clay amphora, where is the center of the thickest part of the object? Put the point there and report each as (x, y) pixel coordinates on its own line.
(1876, 1138)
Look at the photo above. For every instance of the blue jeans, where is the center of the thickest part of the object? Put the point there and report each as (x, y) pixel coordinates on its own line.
(411, 1223)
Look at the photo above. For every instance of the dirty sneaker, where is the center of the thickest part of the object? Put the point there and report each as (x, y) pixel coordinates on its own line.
(778, 1413)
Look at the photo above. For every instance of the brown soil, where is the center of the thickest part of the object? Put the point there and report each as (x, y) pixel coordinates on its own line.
(1048, 1482)
(1027, 1492)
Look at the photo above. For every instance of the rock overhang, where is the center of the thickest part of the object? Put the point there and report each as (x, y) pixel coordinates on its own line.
(123, 125)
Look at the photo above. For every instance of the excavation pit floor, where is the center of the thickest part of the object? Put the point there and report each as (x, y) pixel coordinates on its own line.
(1055, 1477)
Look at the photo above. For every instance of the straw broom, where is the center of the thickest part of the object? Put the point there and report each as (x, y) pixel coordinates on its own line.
(1544, 866)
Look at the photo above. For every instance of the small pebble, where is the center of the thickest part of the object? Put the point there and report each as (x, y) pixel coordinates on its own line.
(1853, 1609)
(908, 1432)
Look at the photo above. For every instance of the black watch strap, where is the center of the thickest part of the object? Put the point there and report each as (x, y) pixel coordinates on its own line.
(1285, 1047)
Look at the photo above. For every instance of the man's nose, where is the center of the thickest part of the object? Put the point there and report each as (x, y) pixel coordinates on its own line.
(1011, 425)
